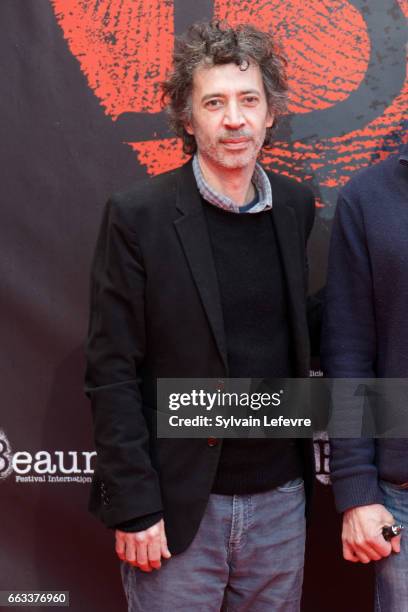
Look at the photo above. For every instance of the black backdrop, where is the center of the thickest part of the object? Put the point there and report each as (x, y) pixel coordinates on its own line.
(80, 119)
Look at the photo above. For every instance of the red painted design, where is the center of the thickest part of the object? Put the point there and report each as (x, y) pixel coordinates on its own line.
(124, 48)
(320, 73)
(334, 159)
(160, 155)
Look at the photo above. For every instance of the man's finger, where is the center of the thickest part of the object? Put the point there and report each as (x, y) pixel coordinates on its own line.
(142, 558)
(130, 551)
(363, 558)
(166, 554)
(120, 546)
(348, 553)
(374, 548)
(154, 553)
(396, 544)
(370, 552)
(380, 546)
(361, 554)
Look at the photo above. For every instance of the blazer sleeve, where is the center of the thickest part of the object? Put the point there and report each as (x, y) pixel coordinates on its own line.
(349, 348)
(115, 353)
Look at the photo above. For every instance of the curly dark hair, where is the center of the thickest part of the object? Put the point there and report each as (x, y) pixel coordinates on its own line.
(216, 42)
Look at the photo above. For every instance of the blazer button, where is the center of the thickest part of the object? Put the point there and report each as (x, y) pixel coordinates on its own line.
(212, 441)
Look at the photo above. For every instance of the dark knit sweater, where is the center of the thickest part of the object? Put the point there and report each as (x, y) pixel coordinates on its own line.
(254, 305)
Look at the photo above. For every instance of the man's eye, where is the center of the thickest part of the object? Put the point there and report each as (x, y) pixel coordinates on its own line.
(250, 100)
(214, 103)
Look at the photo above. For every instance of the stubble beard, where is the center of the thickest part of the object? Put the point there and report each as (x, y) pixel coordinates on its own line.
(230, 160)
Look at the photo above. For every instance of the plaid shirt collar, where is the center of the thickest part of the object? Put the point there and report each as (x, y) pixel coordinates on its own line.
(259, 178)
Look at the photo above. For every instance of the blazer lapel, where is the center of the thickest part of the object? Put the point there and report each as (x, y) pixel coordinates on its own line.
(192, 230)
(290, 247)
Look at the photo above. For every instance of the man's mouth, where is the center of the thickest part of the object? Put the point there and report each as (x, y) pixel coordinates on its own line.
(238, 139)
(235, 143)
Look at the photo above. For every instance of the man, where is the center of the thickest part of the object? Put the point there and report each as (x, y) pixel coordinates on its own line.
(365, 335)
(201, 272)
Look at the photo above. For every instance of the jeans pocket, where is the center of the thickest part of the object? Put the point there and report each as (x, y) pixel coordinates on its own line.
(385, 484)
(291, 486)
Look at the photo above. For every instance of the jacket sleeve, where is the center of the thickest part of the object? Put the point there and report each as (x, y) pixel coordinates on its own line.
(349, 349)
(140, 524)
(115, 354)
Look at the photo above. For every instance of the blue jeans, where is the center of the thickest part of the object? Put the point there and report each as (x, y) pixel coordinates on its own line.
(391, 594)
(248, 554)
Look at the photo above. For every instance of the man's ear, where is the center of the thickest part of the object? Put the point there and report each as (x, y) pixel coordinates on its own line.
(270, 119)
(188, 126)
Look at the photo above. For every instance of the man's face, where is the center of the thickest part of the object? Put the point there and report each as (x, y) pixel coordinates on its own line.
(229, 114)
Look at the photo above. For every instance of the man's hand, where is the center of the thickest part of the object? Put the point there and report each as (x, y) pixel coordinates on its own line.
(362, 534)
(143, 549)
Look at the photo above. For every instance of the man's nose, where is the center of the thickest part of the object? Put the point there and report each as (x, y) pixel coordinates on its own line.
(233, 117)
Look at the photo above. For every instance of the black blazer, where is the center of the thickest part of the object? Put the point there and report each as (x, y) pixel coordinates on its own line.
(156, 312)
